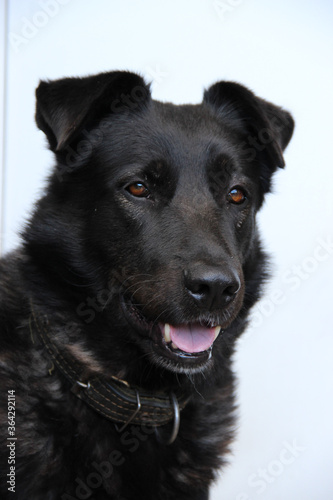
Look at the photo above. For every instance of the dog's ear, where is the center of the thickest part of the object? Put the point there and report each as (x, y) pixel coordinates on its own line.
(66, 107)
(267, 128)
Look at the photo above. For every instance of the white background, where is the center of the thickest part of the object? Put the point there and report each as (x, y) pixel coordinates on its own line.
(283, 51)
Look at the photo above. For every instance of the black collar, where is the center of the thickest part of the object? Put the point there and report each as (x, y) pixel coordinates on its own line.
(113, 398)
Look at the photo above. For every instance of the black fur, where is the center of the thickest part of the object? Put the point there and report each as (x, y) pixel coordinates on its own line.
(92, 246)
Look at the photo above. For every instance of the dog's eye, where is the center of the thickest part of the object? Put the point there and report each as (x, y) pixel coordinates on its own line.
(138, 189)
(237, 196)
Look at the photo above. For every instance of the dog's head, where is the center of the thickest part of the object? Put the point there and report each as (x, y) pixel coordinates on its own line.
(159, 203)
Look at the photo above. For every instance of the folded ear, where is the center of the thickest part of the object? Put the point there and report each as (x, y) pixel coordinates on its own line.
(66, 107)
(266, 127)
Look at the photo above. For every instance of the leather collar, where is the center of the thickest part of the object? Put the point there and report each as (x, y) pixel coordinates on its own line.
(112, 397)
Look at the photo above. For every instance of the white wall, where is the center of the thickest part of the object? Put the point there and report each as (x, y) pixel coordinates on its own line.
(283, 51)
(3, 53)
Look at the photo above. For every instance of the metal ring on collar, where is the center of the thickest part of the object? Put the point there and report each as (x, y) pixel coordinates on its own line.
(176, 423)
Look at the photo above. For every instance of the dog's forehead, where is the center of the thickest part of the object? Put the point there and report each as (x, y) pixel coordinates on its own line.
(166, 138)
(190, 120)
(193, 134)
(190, 132)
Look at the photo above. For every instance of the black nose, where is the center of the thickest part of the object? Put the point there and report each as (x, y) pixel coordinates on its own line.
(210, 287)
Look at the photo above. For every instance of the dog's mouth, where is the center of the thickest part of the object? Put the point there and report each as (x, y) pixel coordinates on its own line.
(190, 338)
(182, 346)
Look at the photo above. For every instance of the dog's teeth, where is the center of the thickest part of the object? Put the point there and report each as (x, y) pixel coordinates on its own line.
(167, 336)
(174, 346)
(217, 331)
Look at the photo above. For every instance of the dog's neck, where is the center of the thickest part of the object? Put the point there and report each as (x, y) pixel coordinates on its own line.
(111, 397)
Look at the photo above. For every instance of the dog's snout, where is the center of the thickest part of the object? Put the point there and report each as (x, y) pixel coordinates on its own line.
(212, 288)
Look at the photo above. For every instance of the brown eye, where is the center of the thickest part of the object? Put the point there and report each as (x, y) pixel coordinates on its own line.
(138, 189)
(237, 196)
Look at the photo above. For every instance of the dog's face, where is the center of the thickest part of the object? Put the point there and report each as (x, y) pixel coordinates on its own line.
(169, 196)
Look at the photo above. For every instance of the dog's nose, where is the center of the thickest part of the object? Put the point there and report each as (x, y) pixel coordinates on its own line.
(212, 288)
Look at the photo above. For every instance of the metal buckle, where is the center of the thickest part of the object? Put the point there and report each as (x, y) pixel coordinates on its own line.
(138, 408)
(176, 423)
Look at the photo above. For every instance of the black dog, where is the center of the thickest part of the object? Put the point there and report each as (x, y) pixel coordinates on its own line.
(137, 271)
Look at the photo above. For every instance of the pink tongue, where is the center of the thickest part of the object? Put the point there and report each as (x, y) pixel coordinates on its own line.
(192, 338)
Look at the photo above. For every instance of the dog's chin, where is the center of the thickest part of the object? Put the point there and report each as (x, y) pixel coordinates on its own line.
(186, 348)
